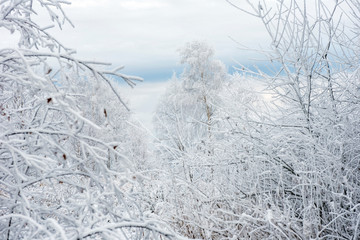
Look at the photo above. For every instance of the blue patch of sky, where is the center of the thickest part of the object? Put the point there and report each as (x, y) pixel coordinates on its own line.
(161, 74)
(158, 74)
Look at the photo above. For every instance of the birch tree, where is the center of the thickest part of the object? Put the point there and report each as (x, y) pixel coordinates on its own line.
(186, 127)
(189, 105)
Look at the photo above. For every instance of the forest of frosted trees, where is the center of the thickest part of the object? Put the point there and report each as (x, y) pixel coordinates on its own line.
(254, 154)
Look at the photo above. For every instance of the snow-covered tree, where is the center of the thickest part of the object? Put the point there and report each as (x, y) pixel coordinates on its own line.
(185, 114)
(185, 125)
(202, 78)
(56, 181)
(302, 183)
(197, 147)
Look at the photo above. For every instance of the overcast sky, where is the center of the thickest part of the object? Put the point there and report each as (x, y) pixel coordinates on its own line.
(143, 35)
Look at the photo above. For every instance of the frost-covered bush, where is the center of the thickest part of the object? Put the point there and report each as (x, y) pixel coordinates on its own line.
(303, 183)
(283, 164)
(62, 176)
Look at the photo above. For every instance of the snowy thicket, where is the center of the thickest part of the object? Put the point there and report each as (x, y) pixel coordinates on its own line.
(66, 151)
(282, 163)
(242, 156)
